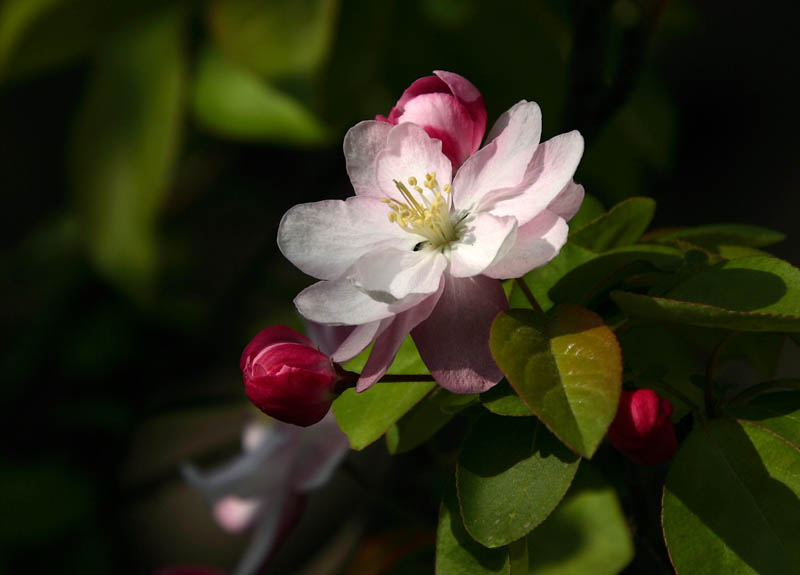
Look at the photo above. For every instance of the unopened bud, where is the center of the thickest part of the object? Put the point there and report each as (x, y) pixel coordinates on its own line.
(642, 428)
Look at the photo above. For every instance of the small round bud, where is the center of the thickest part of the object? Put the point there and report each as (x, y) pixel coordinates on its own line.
(642, 428)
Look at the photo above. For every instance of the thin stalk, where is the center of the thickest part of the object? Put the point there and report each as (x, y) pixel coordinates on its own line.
(528, 294)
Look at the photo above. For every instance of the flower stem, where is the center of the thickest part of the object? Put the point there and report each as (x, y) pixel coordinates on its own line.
(403, 378)
(528, 294)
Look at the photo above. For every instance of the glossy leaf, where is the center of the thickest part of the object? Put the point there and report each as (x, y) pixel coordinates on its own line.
(365, 416)
(587, 533)
(590, 209)
(567, 368)
(231, 101)
(276, 38)
(425, 419)
(622, 225)
(715, 235)
(503, 400)
(748, 294)
(123, 147)
(540, 280)
(459, 554)
(731, 502)
(585, 283)
(778, 411)
(511, 474)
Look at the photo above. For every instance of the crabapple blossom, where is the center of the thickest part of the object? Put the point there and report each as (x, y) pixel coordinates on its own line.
(421, 246)
(642, 428)
(263, 489)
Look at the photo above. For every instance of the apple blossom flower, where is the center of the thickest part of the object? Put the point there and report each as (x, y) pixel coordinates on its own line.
(642, 428)
(286, 377)
(449, 108)
(420, 248)
(263, 489)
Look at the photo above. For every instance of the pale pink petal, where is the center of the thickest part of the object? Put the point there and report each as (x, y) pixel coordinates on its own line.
(424, 85)
(445, 118)
(264, 535)
(322, 448)
(485, 240)
(360, 337)
(392, 274)
(454, 340)
(362, 143)
(549, 172)
(410, 152)
(387, 344)
(537, 243)
(254, 435)
(235, 514)
(502, 162)
(340, 302)
(325, 238)
(271, 336)
(469, 95)
(568, 201)
(328, 338)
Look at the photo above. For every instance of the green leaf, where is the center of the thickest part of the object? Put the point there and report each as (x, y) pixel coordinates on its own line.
(590, 209)
(731, 502)
(425, 419)
(778, 411)
(123, 147)
(511, 474)
(748, 294)
(540, 280)
(518, 557)
(503, 400)
(566, 367)
(656, 358)
(716, 235)
(459, 554)
(231, 101)
(586, 283)
(36, 35)
(622, 225)
(587, 533)
(365, 416)
(278, 38)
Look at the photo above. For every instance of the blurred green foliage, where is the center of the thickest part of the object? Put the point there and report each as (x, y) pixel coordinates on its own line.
(149, 148)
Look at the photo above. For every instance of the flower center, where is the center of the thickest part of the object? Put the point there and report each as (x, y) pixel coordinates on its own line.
(428, 216)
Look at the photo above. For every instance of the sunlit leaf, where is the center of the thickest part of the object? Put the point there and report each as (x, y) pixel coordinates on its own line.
(567, 368)
(731, 502)
(621, 226)
(123, 147)
(587, 533)
(503, 400)
(365, 416)
(511, 474)
(777, 411)
(233, 102)
(748, 294)
(276, 38)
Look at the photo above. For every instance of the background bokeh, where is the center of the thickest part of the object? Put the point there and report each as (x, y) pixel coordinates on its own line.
(148, 150)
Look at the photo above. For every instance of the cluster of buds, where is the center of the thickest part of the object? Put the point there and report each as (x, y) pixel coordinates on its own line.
(642, 429)
(289, 379)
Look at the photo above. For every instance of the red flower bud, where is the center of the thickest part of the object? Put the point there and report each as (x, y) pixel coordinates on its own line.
(642, 429)
(449, 108)
(287, 378)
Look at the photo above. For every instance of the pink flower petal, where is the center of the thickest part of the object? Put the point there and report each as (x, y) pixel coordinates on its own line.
(328, 338)
(487, 239)
(362, 143)
(568, 201)
(320, 451)
(410, 152)
(387, 344)
(360, 337)
(469, 95)
(392, 274)
(445, 118)
(454, 341)
(325, 238)
(424, 85)
(235, 514)
(537, 242)
(502, 162)
(271, 335)
(550, 170)
(340, 302)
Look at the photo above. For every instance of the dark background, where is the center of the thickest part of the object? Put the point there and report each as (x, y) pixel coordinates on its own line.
(148, 150)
